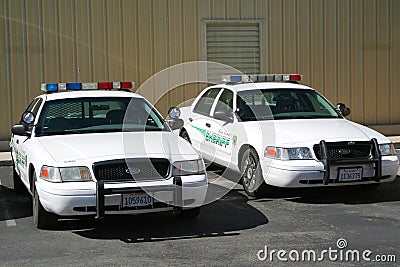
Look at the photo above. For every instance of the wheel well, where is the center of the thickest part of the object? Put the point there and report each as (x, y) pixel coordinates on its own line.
(241, 152)
(31, 180)
(182, 131)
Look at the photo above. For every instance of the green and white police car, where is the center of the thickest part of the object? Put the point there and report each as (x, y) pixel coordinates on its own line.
(277, 132)
(99, 152)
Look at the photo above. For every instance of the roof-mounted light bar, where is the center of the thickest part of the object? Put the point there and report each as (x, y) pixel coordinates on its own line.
(261, 78)
(77, 86)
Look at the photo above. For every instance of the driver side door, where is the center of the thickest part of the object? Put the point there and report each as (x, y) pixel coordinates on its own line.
(19, 142)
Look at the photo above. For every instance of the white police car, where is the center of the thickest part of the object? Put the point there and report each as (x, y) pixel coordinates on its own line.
(97, 152)
(278, 132)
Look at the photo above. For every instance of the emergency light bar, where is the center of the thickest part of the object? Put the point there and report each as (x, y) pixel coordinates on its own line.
(261, 78)
(75, 86)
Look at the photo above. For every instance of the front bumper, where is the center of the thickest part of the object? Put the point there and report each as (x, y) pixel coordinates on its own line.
(325, 172)
(315, 178)
(102, 198)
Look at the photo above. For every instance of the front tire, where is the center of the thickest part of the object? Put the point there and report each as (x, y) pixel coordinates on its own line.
(42, 219)
(251, 174)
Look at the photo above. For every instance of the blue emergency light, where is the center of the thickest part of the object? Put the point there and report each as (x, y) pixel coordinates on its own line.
(51, 87)
(74, 86)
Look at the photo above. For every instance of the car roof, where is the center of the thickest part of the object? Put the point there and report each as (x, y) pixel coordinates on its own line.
(87, 93)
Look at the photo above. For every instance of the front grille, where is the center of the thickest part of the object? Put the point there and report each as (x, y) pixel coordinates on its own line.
(132, 169)
(346, 150)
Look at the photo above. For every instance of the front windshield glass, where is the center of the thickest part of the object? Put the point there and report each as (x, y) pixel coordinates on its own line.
(277, 104)
(100, 114)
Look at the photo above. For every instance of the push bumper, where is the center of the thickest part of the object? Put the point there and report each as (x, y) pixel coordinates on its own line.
(325, 172)
(376, 160)
(101, 192)
(99, 199)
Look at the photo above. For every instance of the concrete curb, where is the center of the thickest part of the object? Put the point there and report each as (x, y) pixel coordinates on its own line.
(5, 159)
(5, 163)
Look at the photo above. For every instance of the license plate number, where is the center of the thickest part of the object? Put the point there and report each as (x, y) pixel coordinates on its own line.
(133, 200)
(353, 174)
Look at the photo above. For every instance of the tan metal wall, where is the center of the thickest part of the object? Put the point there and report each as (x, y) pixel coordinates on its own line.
(348, 50)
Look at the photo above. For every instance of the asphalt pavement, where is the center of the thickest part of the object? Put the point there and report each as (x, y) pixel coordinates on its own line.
(234, 231)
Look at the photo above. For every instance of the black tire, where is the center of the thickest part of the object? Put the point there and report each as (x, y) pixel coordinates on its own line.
(19, 186)
(189, 213)
(42, 219)
(185, 136)
(251, 174)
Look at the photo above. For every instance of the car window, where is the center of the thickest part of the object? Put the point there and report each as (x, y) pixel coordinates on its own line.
(206, 101)
(225, 101)
(278, 104)
(101, 114)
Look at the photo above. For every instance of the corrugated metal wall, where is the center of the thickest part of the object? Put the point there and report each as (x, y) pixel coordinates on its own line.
(348, 50)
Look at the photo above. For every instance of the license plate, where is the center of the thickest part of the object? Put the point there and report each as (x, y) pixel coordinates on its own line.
(133, 200)
(347, 175)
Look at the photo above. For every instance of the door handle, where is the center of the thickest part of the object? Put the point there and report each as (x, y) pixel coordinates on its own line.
(208, 125)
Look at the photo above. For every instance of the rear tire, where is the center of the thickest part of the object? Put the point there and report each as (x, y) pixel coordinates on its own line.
(251, 174)
(42, 219)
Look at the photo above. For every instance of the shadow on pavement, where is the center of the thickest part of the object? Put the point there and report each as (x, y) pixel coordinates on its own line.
(222, 218)
(351, 195)
(14, 205)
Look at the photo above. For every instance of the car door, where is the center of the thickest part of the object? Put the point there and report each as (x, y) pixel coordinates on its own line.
(199, 127)
(222, 139)
(20, 143)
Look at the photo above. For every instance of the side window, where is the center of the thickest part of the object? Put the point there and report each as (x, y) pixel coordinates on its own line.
(206, 101)
(225, 101)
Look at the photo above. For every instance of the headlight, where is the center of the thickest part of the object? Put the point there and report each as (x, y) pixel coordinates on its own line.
(69, 174)
(292, 153)
(387, 149)
(188, 167)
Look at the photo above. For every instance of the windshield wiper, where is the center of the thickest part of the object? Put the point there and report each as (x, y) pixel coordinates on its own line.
(277, 117)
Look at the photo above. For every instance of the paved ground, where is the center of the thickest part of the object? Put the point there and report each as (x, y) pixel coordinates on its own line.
(230, 231)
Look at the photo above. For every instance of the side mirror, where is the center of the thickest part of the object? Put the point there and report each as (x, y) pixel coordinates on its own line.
(28, 117)
(20, 129)
(224, 116)
(174, 113)
(176, 124)
(343, 109)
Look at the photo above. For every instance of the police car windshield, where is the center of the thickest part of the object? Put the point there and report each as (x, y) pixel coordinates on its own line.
(278, 104)
(100, 114)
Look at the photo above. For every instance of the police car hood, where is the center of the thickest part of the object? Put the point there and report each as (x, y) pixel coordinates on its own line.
(312, 131)
(79, 147)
